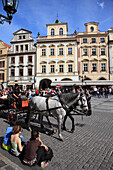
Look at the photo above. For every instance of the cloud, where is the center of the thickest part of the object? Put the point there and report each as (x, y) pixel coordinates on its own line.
(107, 19)
(101, 4)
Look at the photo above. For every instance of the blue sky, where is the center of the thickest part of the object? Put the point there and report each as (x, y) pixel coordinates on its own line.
(33, 15)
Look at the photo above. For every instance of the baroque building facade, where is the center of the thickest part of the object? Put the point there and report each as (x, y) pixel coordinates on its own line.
(93, 60)
(56, 56)
(3, 63)
(21, 59)
(110, 35)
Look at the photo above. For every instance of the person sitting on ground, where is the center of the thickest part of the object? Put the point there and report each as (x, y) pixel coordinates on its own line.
(16, 141)
(6, 142)
(35, 152)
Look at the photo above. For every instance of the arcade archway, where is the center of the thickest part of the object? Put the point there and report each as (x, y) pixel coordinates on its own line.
(45, 83)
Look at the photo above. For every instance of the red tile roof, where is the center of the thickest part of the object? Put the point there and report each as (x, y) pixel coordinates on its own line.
(6, 45)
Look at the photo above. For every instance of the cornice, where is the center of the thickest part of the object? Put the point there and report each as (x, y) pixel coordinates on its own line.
(12, 42)
(21, 53)
(56, 40)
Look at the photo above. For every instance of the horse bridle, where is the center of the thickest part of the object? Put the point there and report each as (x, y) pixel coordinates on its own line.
(82, 100)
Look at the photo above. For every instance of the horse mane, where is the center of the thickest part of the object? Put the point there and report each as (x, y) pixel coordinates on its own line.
(68, 98)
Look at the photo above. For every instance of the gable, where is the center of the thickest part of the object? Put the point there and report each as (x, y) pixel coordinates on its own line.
(22, 31)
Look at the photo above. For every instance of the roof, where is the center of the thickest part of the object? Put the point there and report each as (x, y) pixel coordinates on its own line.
(57, 22)
(6, 45)
(91, 23)
(23, 30)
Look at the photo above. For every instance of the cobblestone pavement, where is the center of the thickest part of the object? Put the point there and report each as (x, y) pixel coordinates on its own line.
(90, 147)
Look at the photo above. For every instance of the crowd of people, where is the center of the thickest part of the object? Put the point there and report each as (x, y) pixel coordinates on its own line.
(16, 92)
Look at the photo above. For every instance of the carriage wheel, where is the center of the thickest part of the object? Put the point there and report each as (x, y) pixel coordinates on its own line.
(12, 117)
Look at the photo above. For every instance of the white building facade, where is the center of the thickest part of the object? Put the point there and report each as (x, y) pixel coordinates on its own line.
(21, 60)
(56, 56)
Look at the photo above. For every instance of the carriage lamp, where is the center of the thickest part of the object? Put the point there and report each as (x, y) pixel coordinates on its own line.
(10, 7)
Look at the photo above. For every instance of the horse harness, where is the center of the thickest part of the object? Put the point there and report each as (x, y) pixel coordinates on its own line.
(47, 106)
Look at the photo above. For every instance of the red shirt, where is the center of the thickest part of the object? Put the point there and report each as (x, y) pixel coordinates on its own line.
(37, 92)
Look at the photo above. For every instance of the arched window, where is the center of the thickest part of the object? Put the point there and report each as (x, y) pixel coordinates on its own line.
(52, 31)
(61, 31)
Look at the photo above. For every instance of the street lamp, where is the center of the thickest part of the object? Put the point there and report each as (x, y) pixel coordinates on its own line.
(10, 6)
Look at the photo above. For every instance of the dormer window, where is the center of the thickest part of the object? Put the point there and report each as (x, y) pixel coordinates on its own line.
(61, 31)
(20, 37)
(92, 29)
(23, 36)
(52, 31)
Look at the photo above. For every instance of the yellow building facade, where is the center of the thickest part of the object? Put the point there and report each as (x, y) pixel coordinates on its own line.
(56, 56)
(3, 63)
(93, 61)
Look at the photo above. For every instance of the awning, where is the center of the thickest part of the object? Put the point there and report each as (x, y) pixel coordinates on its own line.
(86, 82)
(58, 86)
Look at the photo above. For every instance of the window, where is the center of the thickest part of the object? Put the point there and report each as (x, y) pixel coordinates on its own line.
(16, 48)
(94, 67)
(61, 68)
(44, 69)
(21, 47)
(29, 59)
(102, 51)
(61, 31)
(85, 67)
(103, 67)
(12, 72)
(21, 60)
(93, 51)
(0, 51)
(26, 47)
(43, 52)
(102, 39)
(92, 29)
(84, 40)
(2, 64)
(20, 37)
(52, 31)
(84, 51)
(69, 51)
(20, 72)
(52, 51)
(12, 60)
(23, 36)
(52, 68)
(70, 68)
(60, 51)
(2, 76)
(30, 72)
(93, 40)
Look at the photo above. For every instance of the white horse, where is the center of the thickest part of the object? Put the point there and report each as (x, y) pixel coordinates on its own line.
(47, 107)
(58, 107)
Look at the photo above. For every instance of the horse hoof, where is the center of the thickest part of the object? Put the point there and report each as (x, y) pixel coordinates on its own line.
(61, 138)
(72, 130)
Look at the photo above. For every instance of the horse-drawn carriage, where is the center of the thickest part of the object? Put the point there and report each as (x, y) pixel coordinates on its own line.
(57, 106)
(8, 104)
